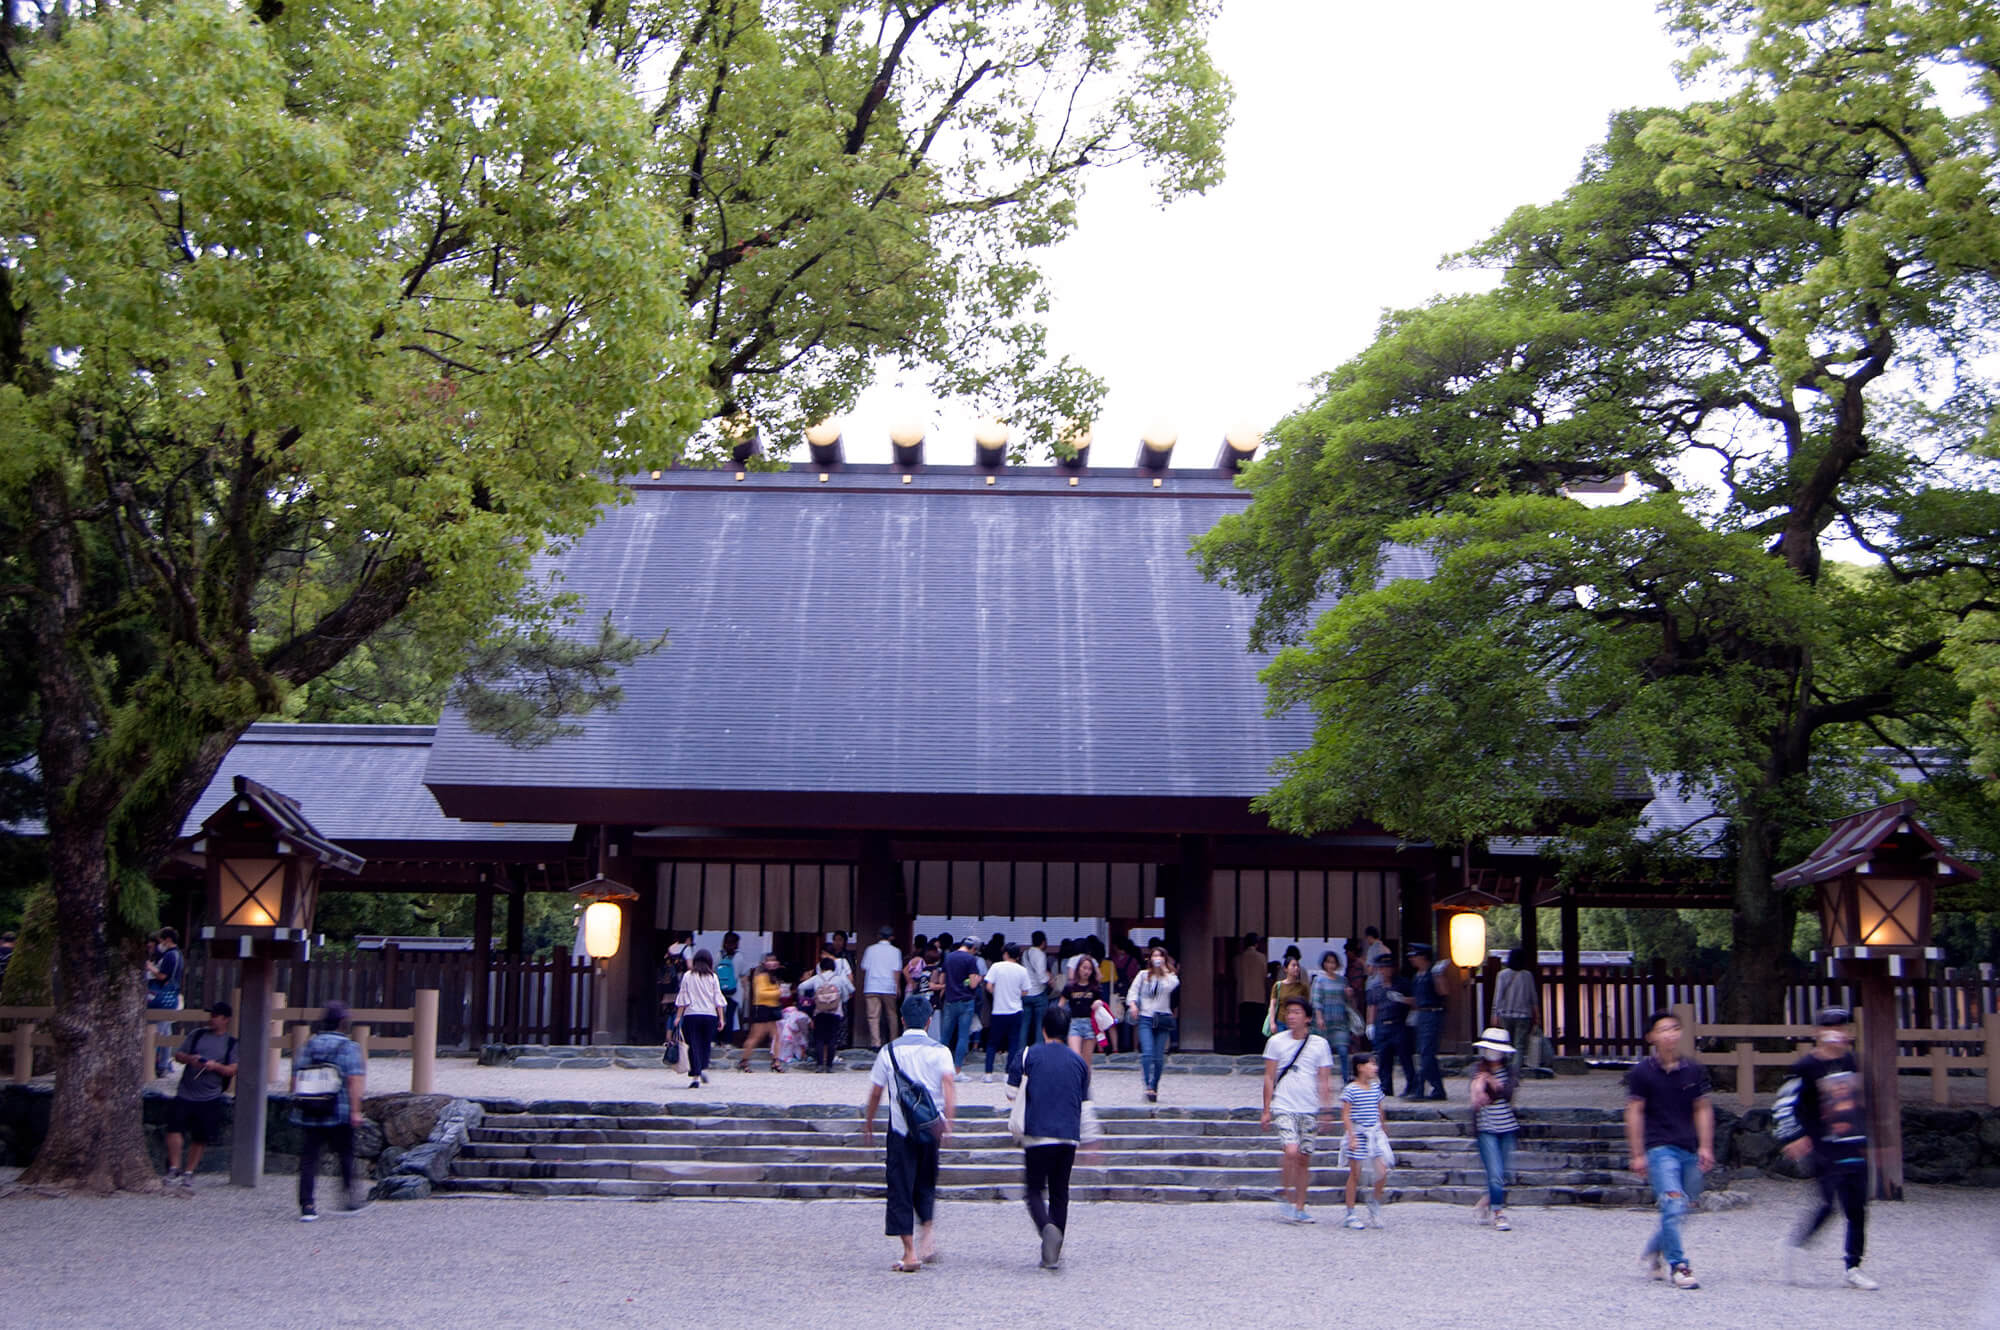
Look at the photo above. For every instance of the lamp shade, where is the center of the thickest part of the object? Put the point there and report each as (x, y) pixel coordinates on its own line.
(602, 923)
(1468, 940)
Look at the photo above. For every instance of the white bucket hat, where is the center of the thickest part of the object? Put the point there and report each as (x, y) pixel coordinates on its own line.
(1494, 1039)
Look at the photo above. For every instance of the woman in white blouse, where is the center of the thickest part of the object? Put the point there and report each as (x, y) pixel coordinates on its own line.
(1151, 999)
(701, 1003)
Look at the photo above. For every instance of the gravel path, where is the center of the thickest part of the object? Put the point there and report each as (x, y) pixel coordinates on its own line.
(226, 1259)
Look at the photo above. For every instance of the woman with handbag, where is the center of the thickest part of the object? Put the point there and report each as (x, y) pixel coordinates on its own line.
(1149, 1003)
(1079, 999)
(1330, 1009)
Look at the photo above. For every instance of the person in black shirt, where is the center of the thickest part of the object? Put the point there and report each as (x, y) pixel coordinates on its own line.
(1670, 1130)
(1427, 1016)
(1822, 1112)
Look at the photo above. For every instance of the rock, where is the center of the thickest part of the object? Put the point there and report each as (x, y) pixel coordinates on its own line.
(1754, 1149)
(390, 1157)
(368, 1139)
(408, 1119)
(1989, 1137)
(1931, 1158)
(1713, 1202)
(403, 1187)
(496, 1055)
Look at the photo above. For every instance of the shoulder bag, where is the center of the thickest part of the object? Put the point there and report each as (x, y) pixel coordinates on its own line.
(920, 1111)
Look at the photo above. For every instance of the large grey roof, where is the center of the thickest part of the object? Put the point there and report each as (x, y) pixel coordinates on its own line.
(356, 783)
(940, 636)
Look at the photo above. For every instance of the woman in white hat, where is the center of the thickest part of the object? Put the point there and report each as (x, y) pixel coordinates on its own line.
(1493, 1085)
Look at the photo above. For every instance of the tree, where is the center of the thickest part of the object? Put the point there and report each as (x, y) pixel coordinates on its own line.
(320, 321)
(1639, 328)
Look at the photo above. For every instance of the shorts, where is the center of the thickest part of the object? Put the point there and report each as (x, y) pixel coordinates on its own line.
(764, 1015)
(198, 1118)
(1297, 1129)
(1082, 1029)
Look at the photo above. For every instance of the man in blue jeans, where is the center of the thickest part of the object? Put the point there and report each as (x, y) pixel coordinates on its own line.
(962, 982)
(1670, 1131)
(1427, 1014)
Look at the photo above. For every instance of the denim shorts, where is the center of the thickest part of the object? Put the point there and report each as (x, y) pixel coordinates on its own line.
(1082, 1030)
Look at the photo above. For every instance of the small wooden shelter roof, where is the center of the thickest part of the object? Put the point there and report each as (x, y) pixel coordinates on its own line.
(1856, 839)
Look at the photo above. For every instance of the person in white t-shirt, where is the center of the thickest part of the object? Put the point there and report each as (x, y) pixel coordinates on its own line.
(1298, 1100)
(1008, 982)
(912, 1162)
(1035, 1002)
(881, 988)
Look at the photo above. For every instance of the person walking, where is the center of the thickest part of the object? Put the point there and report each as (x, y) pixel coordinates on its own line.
(1426, 1003)
(767, 998)
(962, 981)
(1050, 1122)
(1079, 1002)
(1035, 1002)
(1298, 1100)
(1514, 1002)
(1670, 1132)
(1150, 1000)
(328, 1115)
(1388, 1024)
(1290, 983)
(1494, 1125)
(1007, 982)
(702, 1005)
(918, 1067)
(1252, 991)
(1363, 1142)
(1329, 1000)
(194, 1114)
(881, 988)
(1822, 1114)
(727, 967)
(826, 995)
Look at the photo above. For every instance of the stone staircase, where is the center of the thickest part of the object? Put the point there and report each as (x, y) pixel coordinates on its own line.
(814, 1151)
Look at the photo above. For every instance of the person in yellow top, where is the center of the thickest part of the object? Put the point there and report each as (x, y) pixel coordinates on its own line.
(767, 996)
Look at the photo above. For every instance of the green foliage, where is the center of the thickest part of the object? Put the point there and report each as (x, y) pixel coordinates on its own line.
(30, 977)
(344, 916)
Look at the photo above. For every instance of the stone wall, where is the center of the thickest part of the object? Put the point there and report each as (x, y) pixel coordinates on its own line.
(1949, 1146)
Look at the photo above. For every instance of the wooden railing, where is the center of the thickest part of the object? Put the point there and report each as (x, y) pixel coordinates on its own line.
(1945, 1051)
(30, 1031)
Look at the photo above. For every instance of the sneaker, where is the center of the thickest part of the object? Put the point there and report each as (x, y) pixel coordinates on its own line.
(1152, 1096)
(358, 1197)
(308, 1215)
(988, 1080)
(1353, 1221)
(963, 1077)
(704, 1078)
(1652, 1265)
(1052, 1240)
(1375, 1215)
(695, 1083)
(1287, 1215)
(1482, 1211)
(1683, 1276)
(1500, 1222)
(1306, 1216)
(1855, 1279)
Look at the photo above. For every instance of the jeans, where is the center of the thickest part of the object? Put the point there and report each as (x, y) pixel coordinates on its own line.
(1156, 1035)
(1676, 1179)
(1005, 1032)
(1496, 1152)
(955, 1032)
(1034, 1010)
(911, 1171)
(1519, 1030)
(1393, 1045)
(1847, 1188)
(698, 1032)
(1430, 1033)
(1048, 1169)
(340, 1139)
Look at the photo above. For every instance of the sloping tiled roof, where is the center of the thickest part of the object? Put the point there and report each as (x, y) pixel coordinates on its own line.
(937, 637)
(1855, 839)
(356, 783)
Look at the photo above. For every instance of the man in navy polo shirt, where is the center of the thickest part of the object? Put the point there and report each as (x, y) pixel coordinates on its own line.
(961, 985)
(1670, 1130)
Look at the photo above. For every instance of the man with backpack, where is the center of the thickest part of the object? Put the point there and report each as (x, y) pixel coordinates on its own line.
(827, 993)
(208, 1062)
(328, 1080)
(917, 1071)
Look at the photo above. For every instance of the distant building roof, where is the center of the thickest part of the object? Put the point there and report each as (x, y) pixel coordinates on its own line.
(921, 635)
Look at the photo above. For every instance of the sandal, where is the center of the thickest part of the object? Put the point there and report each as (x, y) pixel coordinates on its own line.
(905, 1268)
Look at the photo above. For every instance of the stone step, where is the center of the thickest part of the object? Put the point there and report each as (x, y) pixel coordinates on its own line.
(1160, 1125)
(1325, 1198)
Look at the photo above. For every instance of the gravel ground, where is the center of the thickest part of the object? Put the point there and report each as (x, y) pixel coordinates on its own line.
(227, 1258)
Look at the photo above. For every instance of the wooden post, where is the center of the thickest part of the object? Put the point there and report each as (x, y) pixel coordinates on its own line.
(361, 1034)
(559, 1021)
(1746, 1072)
(275, 1030)
(1877, 1059)
(1191, 912)
(1989, 1026)
(1572, 986)
(24, 1053)
(253, 1072)
(424, 1042)
(391, 973)
(480, 973)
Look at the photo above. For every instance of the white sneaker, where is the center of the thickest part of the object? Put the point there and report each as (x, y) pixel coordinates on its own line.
(1287, 1215)
(989, 1078)
(1306, 1216)
(1855, 1279)
(1375, 1215)
(1500, 1223)
(1353, 1221)
(963, 1077)
(1482, 1211)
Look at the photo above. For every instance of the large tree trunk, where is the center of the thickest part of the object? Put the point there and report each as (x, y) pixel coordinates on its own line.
(96, 1140)
(1760, 952)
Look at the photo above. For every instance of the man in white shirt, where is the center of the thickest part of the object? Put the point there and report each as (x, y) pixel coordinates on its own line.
(1298, 1099)
(1035, 1002)
(1007, 981)
(912, 1162)
(881, 988)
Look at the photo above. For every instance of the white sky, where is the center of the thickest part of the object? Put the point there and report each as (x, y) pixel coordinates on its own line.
(1368, 142)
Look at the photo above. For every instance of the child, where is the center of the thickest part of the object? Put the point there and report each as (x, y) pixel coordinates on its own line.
(1362, 1138)
(1493, 1120)
(794, 1032)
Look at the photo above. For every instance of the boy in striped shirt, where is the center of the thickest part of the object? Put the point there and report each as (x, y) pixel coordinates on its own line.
(1363, 1139)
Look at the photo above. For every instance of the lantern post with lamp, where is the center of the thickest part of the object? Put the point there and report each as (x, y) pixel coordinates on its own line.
(603, 926)
(1465, 931)
(261, 860)
(1876, 876)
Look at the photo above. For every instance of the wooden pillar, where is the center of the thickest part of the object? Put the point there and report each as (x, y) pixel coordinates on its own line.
(1190, 917)
(517, 921)
(1418, 890)
(1531, 926)
(1877, 1058)
(480, 973)
(644, 1022)
(879, 897)
(253, 1070)
(561, 1030)
(1572, 986)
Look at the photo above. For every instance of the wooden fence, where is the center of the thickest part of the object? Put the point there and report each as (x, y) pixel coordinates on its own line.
(290, 1028)
(1944, 1051)
(1613, 1003)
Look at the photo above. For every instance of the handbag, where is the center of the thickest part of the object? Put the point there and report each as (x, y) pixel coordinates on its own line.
(920, 1111)
(1017, 1116)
